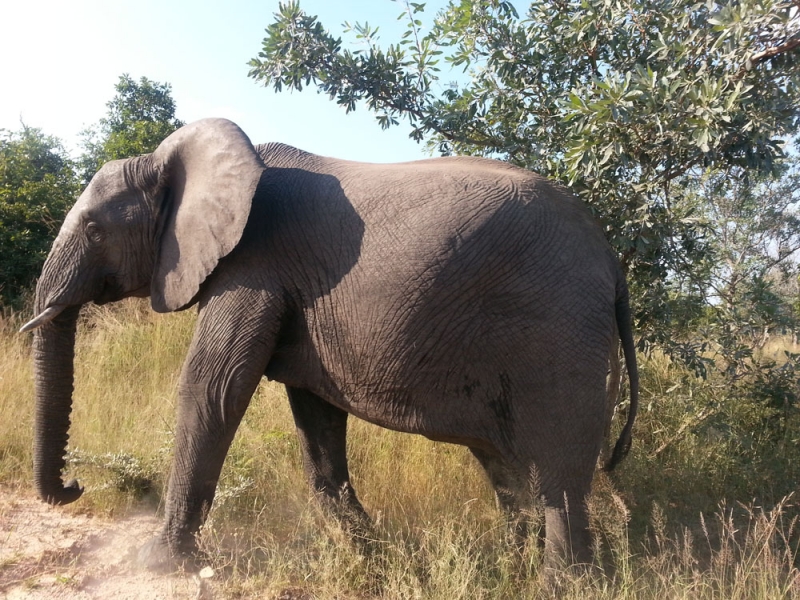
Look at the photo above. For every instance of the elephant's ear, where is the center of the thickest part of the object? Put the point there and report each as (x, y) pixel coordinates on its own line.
(210, 171)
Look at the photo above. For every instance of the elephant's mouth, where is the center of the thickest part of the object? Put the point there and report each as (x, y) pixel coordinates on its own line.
(110, 291)
(141, 292)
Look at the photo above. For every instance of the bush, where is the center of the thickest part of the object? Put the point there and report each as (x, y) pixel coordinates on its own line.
(38, 185)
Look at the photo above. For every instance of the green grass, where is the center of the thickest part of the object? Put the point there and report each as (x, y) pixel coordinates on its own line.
(696, 511)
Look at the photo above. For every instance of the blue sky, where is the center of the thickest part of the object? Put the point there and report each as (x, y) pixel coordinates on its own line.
(59, 61)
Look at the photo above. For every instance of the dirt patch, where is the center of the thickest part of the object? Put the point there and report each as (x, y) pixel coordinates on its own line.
(52, 553)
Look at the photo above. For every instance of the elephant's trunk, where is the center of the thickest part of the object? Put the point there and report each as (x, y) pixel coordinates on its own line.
(53, 352)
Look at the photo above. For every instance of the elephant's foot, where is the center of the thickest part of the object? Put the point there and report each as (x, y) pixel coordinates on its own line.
(157, 555)
(557, 580)
(347, 511)
(359, 528)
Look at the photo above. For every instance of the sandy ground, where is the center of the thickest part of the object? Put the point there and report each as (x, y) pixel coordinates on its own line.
(51, 553)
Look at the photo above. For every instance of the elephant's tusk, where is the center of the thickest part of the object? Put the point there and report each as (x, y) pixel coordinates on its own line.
(46, 316)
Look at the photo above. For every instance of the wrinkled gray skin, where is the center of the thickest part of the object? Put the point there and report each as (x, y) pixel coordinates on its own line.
(458, 298)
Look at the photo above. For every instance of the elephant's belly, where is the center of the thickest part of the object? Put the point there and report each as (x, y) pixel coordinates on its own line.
(466, 372)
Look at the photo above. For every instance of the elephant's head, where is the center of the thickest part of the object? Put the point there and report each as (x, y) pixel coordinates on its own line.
(153, 225)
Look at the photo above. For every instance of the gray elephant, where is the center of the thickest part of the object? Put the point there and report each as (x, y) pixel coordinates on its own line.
(463, 299)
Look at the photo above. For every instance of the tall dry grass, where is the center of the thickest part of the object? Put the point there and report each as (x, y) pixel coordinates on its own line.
(678, 520)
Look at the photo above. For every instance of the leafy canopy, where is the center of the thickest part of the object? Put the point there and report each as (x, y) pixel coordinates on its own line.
(38, 185)
(139, 117)
(617, 98)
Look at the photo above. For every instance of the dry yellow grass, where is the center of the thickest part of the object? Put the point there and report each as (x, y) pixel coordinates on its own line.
(437, 532)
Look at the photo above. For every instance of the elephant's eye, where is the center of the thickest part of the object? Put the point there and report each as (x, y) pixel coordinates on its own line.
(94, 233)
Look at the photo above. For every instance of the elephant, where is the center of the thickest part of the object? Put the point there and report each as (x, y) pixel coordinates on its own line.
(460, 298)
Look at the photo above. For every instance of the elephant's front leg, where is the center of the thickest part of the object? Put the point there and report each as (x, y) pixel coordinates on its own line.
(322, 429)
(511, 491)
(233, 341)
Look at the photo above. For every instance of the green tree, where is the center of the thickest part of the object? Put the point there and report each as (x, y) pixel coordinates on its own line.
(139, 117)
(627, 101)
(38, 185)
(756, 248)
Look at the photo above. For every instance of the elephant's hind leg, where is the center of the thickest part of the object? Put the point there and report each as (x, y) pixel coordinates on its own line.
(565, 484)
(322, 429)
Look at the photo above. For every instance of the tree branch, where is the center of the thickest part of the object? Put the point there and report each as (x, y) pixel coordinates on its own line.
(765, 55)
(774, 51)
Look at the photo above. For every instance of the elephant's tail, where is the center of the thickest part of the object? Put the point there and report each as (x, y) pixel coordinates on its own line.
(623, 315)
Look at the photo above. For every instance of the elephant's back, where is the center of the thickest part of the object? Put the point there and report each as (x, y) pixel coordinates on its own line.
(452, 220)
(466, 222)
(444, 196)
